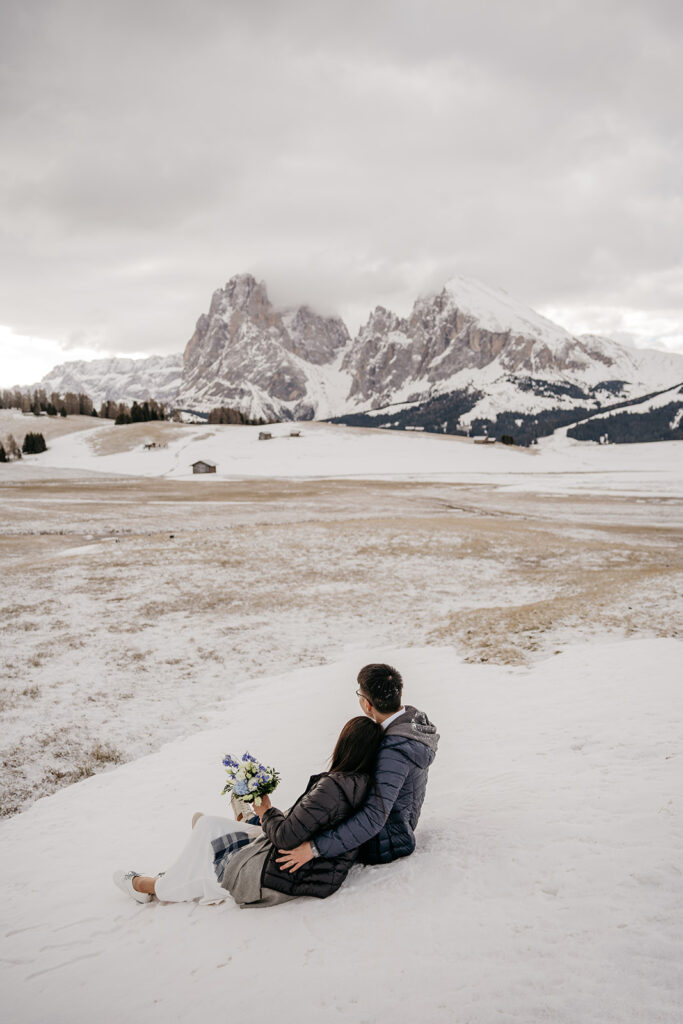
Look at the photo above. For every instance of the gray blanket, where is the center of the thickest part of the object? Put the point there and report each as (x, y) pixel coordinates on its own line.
(242, 876)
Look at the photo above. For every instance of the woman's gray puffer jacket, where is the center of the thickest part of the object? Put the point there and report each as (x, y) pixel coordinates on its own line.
(329, 798)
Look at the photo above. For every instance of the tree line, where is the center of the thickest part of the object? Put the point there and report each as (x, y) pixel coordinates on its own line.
(225, 414)
(54, 404)
(39, 402)
(137, 413)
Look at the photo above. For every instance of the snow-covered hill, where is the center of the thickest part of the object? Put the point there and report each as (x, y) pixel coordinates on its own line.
(545, 885)
(332, 451)
(655, 418)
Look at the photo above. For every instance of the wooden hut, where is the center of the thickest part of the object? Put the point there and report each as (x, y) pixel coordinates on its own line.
(204, 466)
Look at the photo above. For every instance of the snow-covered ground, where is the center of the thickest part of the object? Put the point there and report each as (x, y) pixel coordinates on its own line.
(130, 604)
(546, 885)
(531, 599)
(556, 465)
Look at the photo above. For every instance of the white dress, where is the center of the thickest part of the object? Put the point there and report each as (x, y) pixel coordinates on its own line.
(193, 876)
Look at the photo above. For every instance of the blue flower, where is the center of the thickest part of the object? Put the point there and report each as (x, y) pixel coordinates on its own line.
(246, 756)
(241, 787)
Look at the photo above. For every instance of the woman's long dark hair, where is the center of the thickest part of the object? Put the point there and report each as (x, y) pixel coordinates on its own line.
(357, 746)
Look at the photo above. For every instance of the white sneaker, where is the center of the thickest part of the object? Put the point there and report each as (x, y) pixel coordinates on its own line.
(124, 880)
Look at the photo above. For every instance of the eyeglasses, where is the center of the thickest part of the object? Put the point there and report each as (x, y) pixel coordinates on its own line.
(363, 696)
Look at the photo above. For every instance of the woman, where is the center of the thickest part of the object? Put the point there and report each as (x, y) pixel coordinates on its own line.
(228, 857)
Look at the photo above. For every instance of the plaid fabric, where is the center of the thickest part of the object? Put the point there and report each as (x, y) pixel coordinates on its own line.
(226, 847)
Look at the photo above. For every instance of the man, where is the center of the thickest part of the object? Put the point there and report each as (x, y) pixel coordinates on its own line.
(384, 826)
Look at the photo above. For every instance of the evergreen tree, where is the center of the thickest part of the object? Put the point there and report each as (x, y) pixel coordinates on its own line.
(3, 453)
(122, 414)
(34, 444)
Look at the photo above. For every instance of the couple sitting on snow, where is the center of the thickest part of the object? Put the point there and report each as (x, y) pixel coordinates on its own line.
(364, 808)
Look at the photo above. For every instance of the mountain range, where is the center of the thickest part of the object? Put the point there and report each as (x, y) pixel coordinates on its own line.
(467, 357)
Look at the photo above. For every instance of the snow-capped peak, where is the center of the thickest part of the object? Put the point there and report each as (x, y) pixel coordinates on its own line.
(497, 312)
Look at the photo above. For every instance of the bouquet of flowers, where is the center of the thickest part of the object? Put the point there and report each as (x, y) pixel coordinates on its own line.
(248, 779)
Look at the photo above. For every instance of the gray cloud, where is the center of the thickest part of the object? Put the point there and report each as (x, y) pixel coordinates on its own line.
(348, 153)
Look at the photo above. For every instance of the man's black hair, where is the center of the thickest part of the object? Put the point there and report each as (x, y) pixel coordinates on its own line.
(383, 685)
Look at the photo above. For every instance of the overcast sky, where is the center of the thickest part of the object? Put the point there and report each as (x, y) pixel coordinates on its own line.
(348, 153)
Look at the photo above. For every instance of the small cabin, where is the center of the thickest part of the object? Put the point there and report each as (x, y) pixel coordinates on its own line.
(203, 466)
(263, 435)
(483, 439)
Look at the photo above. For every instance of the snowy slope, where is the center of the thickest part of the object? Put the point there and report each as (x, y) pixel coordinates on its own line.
(671, 396)
(655, 368)
(326, 450)
(546, 885)
(497, 312)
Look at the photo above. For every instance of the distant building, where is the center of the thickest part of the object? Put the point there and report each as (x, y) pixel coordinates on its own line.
(263, 435)
(203, 466)
(483, 439)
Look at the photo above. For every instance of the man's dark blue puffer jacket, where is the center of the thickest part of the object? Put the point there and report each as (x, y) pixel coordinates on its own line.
(384, 828)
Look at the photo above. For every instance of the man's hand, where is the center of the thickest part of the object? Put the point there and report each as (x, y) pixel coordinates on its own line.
(261, 808)
(296, 858)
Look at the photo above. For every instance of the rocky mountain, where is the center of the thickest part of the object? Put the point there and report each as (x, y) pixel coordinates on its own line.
(470, 335)
(269, 362)
(467, 357)
(119, 379)
(473, 358)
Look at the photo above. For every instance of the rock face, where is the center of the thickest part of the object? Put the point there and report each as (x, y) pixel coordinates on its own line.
(464, 329)
(119, 379)
(469, 352)
(246, 353)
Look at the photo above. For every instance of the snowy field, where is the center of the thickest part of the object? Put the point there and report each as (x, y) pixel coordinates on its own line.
(546, 885)
(556, 465)
(132, 604)
(151, 620)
